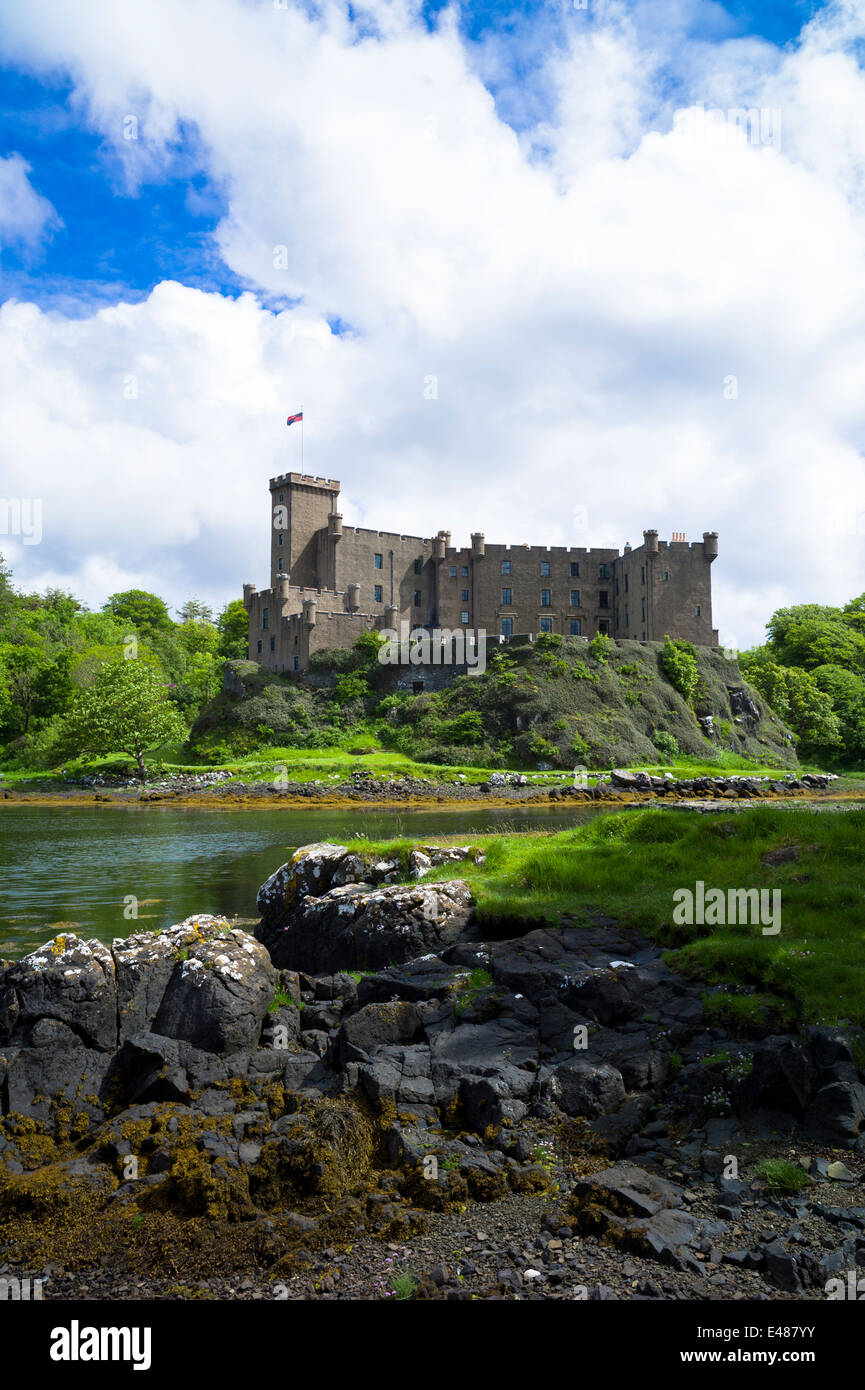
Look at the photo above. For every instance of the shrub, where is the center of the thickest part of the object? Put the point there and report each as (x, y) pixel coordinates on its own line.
(678, 661)
(599, 647)
(666, 744)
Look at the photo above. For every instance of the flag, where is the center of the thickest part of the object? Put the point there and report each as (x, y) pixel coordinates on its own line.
(291, 419)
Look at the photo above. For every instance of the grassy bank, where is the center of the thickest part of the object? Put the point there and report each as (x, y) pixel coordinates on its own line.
(627, 865)
(366, 754)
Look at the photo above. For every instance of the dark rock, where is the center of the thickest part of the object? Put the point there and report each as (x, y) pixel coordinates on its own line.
(217, 997)
(580, 1087)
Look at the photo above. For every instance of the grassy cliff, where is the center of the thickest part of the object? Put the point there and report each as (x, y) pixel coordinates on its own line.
(556, 702)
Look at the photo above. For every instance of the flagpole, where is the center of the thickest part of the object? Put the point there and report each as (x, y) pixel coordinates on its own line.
(301, 439)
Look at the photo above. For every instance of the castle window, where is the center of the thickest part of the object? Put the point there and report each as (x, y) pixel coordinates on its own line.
(507, 627)
(546, 624)
(464, 595)
(627, 620)
(377, 561)
(506, 598)
(265, 618)
(506, 566)
(453, 571)
(604, 626)
(575, 569)
(698, 610)
(297, 663)
(259, 644)
(575, 598)
(418, 566)
(281, 537)
(644, 610)
(666, 575)
(545, 568)
(273, 644)
(377, 592)
(604, 598)
(464, 571)
(546, 598)
(464, 617)
(642, 574)
(575, 627)
(602, 572)
(282, 497)
(418, 598)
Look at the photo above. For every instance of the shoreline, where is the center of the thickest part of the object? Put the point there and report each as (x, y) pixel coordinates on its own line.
(295, 801)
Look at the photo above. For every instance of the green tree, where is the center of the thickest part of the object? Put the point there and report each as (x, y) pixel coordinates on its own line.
(22, 667)
(144, 612)
(796, 698)
(7, 593)
(126, 709)
(233, 628)
(194, 611)
(847, 693)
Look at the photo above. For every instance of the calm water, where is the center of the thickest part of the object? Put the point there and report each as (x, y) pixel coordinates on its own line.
(72, 868)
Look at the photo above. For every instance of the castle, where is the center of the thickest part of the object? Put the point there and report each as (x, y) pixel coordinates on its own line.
(329, 583)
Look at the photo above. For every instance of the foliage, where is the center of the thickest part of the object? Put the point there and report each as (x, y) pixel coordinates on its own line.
(666, 744)
(811, 671)
(678, 661)
(125, 709)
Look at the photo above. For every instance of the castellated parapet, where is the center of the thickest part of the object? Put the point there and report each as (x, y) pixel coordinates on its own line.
(330, 582)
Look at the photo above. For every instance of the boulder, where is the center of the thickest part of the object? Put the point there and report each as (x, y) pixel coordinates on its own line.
(361, 928)
(581, 1087)
(310, 870)
(218, 995)
(67, 979)
(145, 962)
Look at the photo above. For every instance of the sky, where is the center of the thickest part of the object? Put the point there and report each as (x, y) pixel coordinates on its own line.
(556, 271)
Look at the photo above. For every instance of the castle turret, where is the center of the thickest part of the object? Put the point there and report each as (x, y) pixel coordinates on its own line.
(248, 591)
(650, 541)
(478, 545)
(710, 545)
(353, 597)
(309, 612)
(439, 546)
(334, 526)
(391, 617)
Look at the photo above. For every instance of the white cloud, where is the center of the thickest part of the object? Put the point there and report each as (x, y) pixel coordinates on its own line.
(25, 216)
(580, 290)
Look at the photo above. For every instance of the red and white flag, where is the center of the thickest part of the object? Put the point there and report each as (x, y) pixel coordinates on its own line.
(291, 419)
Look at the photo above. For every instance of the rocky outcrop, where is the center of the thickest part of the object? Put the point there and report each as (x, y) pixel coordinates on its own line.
(323, 911)
(368, 1030)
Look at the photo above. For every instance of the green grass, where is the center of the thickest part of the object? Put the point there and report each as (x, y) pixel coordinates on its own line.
(336, 764)
(628, 864)
(295, 764)
(783, 1176)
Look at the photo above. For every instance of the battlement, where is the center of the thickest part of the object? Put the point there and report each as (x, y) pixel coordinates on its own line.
(305, 480)
(387, 535)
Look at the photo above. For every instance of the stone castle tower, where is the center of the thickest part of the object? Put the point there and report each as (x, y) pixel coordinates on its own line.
(329, 583)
